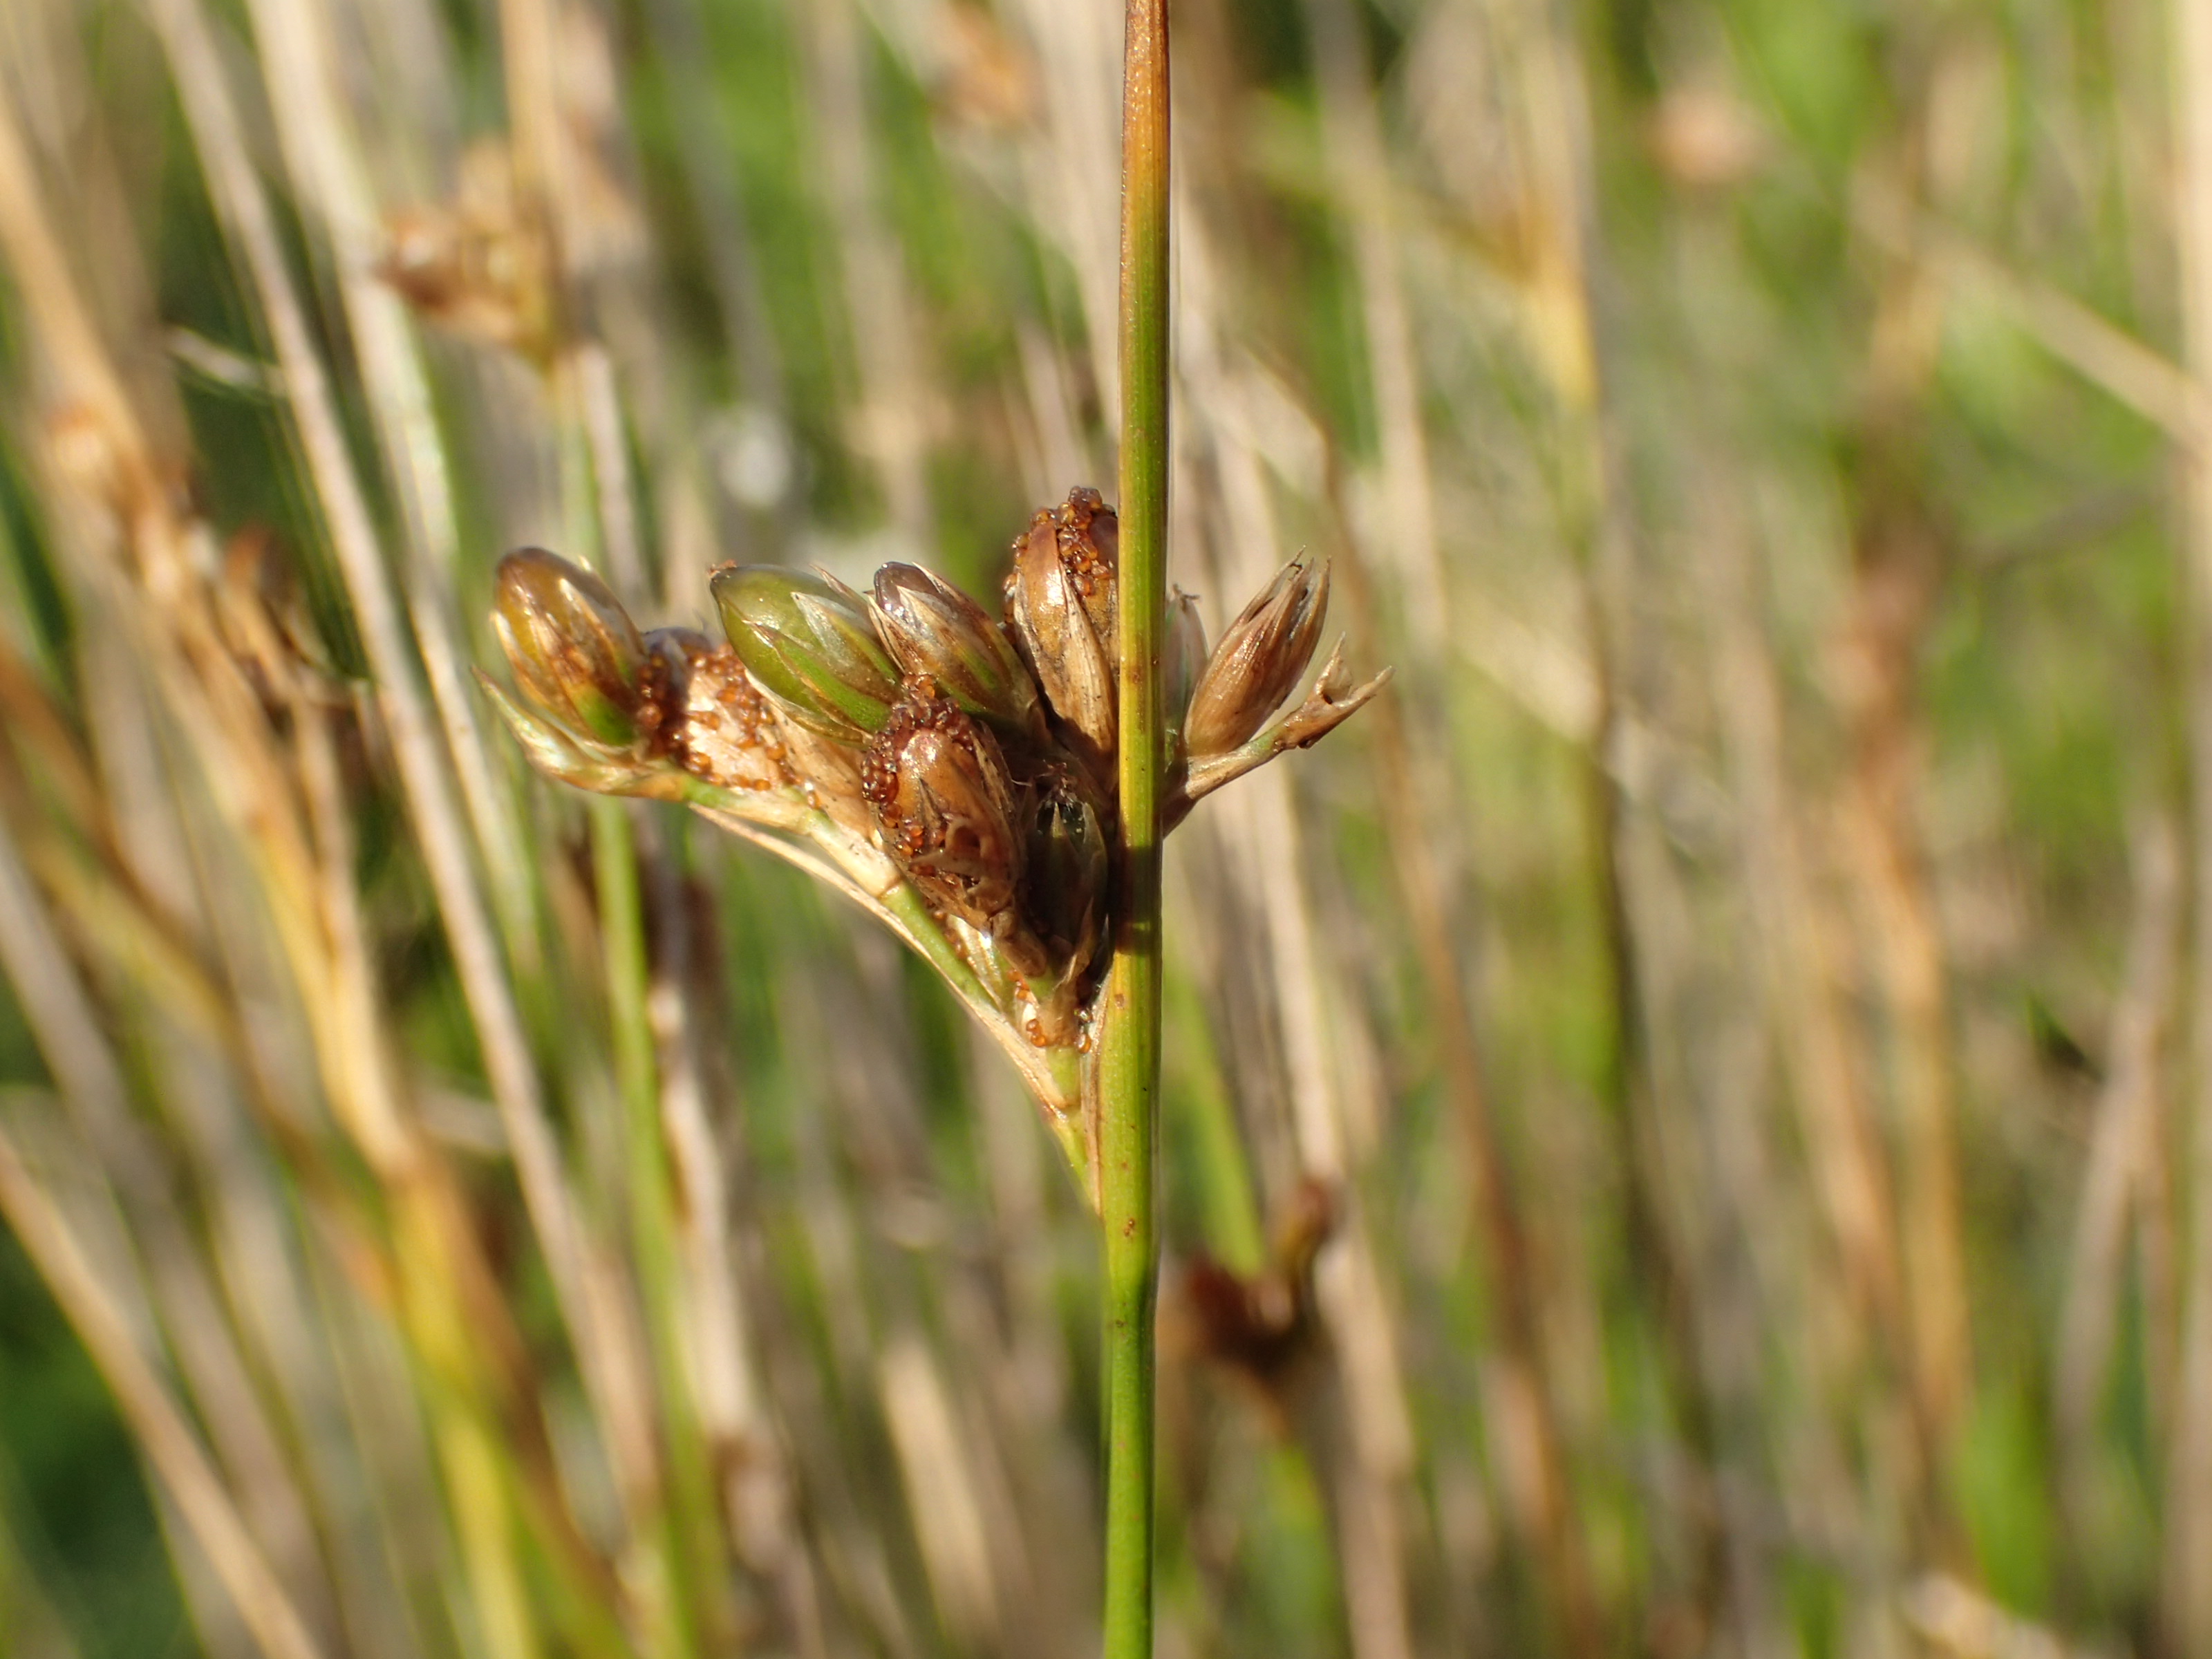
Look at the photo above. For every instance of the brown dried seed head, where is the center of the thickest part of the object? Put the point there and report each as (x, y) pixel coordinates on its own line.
(1061, 608)
(931, 627)
(1261, 658)
(944, 809)
(1088, 534)
(717, 725)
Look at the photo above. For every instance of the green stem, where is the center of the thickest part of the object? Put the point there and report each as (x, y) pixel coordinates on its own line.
(1129, 1056)
(669, 1574)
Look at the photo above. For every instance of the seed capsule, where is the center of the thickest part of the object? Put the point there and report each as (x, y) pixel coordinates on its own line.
(718, 728)
(1061, 599)
(577, 657)
(1260, 657)
(945, 809)
(1089, 535)
(809, 642)
(931, 627)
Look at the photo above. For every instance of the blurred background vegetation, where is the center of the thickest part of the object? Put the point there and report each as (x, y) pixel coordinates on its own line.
(1733, 998)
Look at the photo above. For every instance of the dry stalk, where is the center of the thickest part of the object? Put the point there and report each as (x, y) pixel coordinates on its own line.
(2186, 1586)
(889, 419)
(330, 177)
(1364, 1460)
(1806, 997)
(1900, 554)
(1352, 134)
(1542, 1502)
(243, 207)
(160, 1427)
(2123, 1156)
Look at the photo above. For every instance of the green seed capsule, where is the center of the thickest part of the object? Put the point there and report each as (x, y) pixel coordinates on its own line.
(809, 642)
(577, 657)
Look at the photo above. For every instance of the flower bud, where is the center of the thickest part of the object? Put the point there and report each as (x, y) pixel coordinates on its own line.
(720, 728)
(1060, 606)
(808, 642)
(931, 627)
(1259, 659)
(577, 657)
(945, 809)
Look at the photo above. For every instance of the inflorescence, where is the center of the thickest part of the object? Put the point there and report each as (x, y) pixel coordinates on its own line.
(953, 773)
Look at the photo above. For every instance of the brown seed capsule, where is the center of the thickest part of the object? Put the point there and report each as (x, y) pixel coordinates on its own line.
(577, 657)
(1089, 534)
(930, 627)
(1061, 608)
(1260, 657)
(717, 725)
(945, 809)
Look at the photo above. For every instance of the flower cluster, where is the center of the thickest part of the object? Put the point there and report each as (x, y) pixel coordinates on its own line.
(953, 772)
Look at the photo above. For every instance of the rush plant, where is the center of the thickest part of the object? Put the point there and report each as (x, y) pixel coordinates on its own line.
(995, 791)
(953, 774)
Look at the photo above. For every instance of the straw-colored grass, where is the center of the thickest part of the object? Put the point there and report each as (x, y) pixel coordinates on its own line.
(1733, 1001)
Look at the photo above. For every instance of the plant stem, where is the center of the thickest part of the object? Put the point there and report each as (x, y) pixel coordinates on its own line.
(677, 1511)
(1129, 1058)
(2186, 1596)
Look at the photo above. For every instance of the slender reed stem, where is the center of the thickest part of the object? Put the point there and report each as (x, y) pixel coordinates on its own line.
(673, 1516)
(219, 132)
(2186, 1592)
(164, 1434)
(1129, 1061)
